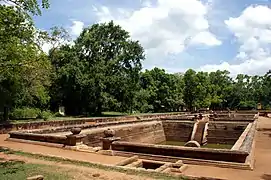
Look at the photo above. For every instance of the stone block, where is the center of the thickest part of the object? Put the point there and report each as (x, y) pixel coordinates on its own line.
(75, 139)
(38, 177)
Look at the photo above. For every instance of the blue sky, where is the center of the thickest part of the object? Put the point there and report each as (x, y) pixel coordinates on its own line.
(234, 35)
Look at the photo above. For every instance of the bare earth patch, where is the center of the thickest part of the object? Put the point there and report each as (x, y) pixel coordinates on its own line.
(75, 172)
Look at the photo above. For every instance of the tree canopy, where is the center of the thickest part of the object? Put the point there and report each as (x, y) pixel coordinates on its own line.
(101, 70)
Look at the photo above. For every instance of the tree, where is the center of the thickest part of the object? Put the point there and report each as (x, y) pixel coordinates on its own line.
(203, 96)
(24, 68)
(220, 88)
(190, 89)
(27, 6)
(164, 90)
(100, 71)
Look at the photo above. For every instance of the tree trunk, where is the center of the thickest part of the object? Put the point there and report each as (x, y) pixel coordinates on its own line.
(6, 113)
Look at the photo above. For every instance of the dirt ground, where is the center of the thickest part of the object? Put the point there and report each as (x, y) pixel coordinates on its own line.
(78, 172)
(53, 151)
(262, 167)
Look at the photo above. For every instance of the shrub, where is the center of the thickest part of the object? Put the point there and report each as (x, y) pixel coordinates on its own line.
(45, 115)
(24, 113)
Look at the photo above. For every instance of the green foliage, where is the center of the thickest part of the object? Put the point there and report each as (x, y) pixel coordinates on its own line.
(20, 171)
(45, 115)
(190, 89)
(24, 69)
(160, 91)
(24, 113)
(99, 72)
(28, 6)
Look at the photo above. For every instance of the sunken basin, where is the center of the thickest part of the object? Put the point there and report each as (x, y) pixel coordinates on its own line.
(226, 141)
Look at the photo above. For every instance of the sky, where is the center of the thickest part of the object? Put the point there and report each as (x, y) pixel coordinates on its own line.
(205, 35)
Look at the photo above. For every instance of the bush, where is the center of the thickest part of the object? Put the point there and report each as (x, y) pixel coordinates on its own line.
(45, 115)
(24, 113)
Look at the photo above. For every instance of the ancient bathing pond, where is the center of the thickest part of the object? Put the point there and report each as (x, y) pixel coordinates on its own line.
(214, 146)
(164, 143)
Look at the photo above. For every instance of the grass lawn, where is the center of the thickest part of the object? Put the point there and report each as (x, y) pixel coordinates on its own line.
(52, 172)
(104, 114)
(18, 170)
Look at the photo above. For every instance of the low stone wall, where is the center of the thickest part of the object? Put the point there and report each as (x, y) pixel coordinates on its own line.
(7, 127)
(236, 119)
(185, 152)
(150, 131)
(248, 141)
(61, 129)
(247, 112)
(39, 137)
(143, 131)
(182, 118)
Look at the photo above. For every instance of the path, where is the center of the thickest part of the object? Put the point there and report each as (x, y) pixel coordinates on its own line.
(262, 168)
(53, 151)
(78, 172)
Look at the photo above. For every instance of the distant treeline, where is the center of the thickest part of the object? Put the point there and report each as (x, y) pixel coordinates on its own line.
(101, 70)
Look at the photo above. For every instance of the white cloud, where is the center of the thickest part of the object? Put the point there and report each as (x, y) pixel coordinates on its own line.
(251, 66)
(46, 47)
(7, 3)
(76, 28)
(252, 30)
(165, 28)
(205, 38)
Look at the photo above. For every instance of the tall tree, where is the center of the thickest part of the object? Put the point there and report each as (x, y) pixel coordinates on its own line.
(190, 89)
(101, 70)
(24, 68)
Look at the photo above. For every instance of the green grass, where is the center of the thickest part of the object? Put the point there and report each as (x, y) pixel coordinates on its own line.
(104, 114)
(212, 146)
(155, 175)
(18, 170)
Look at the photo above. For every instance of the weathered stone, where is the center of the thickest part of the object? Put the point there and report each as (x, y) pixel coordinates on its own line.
(96, 175)
(76, 131)
(74, 139)
(107, 142)
(7, 127)
(179, 151)
(109, 133)
(127, 161)
(38, 177)
(192, 144)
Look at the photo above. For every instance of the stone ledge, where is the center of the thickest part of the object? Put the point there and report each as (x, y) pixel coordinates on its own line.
(185, 152)
(7, 127)
(221, 164)
(241, 139)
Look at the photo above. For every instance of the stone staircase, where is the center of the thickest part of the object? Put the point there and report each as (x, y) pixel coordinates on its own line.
(198, 136)
(200, 132)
